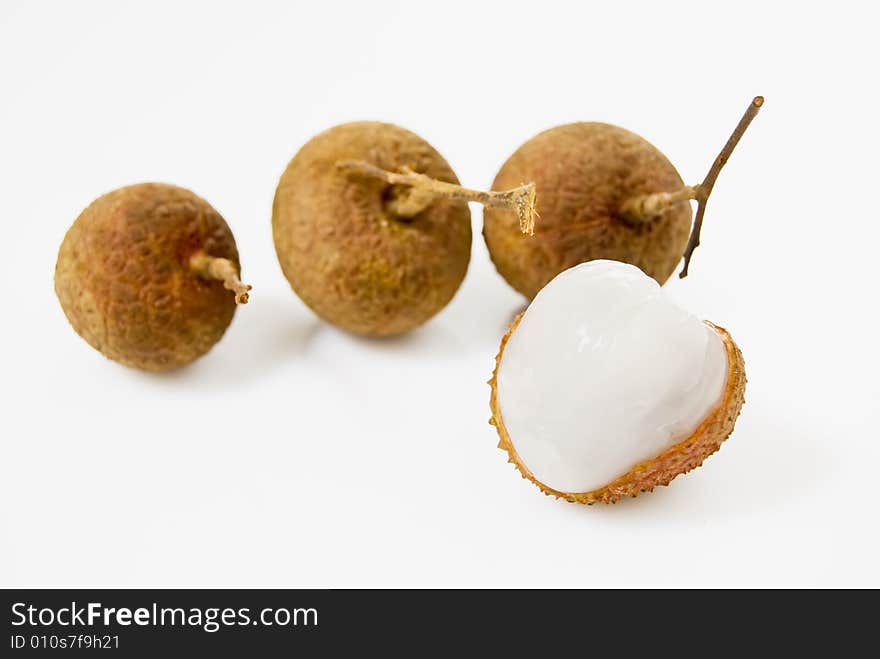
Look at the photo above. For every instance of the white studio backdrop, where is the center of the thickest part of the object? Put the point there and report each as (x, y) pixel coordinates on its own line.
(294, 454)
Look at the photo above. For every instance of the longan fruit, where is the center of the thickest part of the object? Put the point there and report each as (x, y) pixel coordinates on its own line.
(148, 276)
(372, 230)
(604, 388)
(605, 193)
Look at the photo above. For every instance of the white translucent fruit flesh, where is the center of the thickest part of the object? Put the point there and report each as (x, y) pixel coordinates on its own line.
(602, 372)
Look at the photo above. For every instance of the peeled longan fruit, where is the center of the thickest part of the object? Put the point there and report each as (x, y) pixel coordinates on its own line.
(605, 193)
(372, 229)
(604, 388)
(148, 275)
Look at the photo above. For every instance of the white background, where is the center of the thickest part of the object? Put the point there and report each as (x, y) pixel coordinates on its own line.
(296, 455)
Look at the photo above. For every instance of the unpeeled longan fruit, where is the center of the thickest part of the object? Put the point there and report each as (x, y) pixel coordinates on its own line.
(148, 276)
(372, 230)
(604, 193)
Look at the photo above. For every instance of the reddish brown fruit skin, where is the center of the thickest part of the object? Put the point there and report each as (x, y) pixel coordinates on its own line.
(583, 173)
(662, 469)
(124, 280)
(348, 258)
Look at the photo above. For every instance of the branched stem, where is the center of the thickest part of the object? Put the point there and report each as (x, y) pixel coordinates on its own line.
(420, 190)
(210, 267)
(646, 207)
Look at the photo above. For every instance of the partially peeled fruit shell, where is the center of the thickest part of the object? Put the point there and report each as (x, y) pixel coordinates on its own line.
(604, 388)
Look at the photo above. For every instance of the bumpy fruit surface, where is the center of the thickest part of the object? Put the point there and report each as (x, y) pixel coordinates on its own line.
(583, 173)
(126, 283)
(353, 261)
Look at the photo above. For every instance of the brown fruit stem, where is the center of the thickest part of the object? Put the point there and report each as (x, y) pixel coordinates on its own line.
(211, 267)
(421, 190)
(646, 207)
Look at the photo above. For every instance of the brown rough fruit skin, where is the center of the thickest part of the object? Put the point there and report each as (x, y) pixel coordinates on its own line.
(351, 261)
(583, 172)
(124, 281)
(662, 469)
